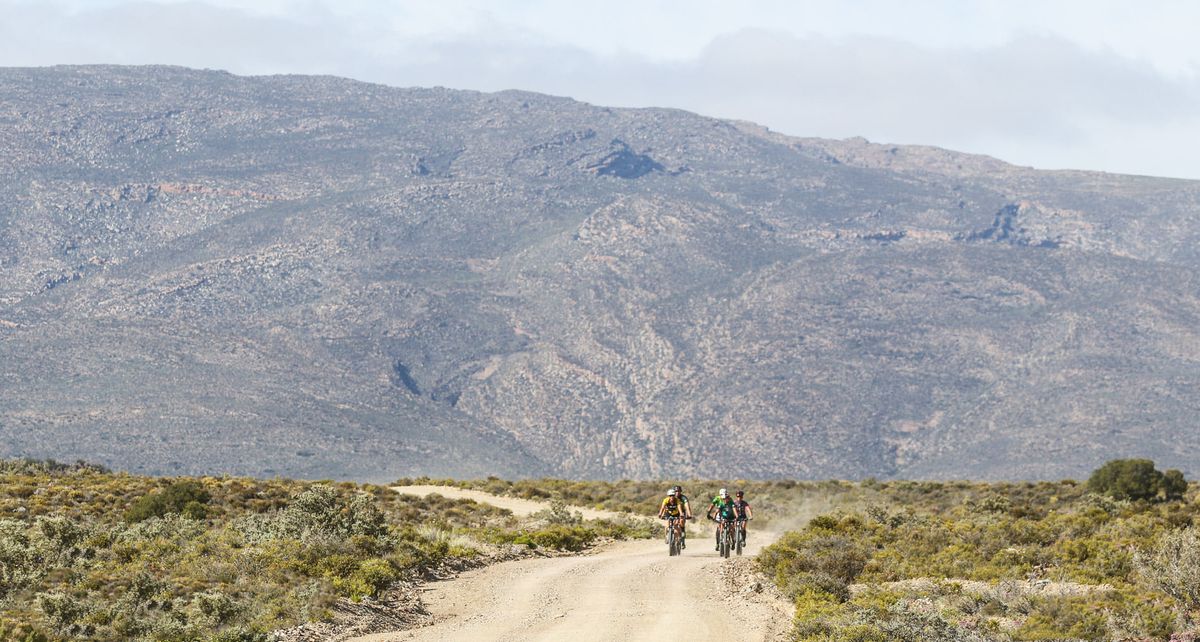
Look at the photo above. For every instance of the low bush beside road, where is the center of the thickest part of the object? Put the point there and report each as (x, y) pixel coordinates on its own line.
(955, 561)
(88, 554)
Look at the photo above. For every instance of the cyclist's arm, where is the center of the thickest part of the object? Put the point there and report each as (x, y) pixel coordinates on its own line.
(749, 512)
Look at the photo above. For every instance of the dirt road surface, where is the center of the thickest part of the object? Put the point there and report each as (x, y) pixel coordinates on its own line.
(519, 507)
(620, 591)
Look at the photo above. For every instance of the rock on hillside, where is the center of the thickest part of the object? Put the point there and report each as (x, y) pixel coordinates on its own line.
(313, 276)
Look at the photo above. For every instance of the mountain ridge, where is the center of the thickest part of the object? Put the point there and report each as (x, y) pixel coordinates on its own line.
(315, 276)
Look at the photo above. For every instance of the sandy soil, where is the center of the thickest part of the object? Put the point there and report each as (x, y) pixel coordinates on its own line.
(620, 591)
(519, 507)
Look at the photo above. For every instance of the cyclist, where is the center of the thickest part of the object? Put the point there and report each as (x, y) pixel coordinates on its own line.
(744, 512)
(687, 512)
(725, 511)
(672, 506)
(712, 511)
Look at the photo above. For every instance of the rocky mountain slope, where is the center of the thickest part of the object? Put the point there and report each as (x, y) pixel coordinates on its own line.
(319, 277)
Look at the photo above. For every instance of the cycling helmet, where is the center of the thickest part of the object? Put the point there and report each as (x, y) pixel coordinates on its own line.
(677, 489)
(723, 494)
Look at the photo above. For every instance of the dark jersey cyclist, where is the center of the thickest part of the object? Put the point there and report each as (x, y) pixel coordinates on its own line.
(744, 512)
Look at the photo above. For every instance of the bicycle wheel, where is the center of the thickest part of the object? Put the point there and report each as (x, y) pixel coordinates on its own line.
(672, 545)
(740, 539)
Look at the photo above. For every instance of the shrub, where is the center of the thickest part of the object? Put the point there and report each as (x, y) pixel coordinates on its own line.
(28, 466)
(1173, 567)
(185, 497)
(321, 513)
(559, 514)
(815, 561)
(171, 526)
(213, 608)
(919, 620)
(1135, 479)
(1174, 485)
(559, 537)
(19, 565)
(370, 578)
(239, 634)
(60, 609)
(22, 632)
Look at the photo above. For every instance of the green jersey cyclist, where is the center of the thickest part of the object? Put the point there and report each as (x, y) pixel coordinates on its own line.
(713, 509)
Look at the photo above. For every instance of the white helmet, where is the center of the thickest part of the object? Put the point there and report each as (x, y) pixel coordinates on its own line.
(670, 492)
(723, 494)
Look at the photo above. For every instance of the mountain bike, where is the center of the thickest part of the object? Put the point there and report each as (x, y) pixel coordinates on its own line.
(726, 543)
(739, 535)
(674, 535)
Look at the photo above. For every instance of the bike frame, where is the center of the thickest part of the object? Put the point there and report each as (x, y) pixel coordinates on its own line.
(727, 534)
(674, 533)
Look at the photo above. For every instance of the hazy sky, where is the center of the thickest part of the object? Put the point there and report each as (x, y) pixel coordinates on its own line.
(1092, 84)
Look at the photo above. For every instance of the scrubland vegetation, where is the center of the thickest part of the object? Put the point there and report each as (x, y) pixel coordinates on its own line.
(1114, 559)
(87, 554)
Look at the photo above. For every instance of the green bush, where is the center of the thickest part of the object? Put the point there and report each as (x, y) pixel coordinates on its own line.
(21, 632)
(61, 609)
(1174, 485)
(368, 579)
(185, 497)
(560, 514)
(269, 554)
(1134, 479)
(559, 537)
(322, 513)
(212, 608)
(19, 567)
(918, 620)
(1173, 567)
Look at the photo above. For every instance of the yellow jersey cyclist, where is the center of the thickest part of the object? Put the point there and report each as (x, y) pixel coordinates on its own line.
(676, 505)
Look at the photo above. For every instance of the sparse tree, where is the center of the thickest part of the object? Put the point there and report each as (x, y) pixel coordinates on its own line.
(186, 497)
(1135, 479)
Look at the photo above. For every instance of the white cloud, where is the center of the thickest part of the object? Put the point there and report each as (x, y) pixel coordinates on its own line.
(1079, 92)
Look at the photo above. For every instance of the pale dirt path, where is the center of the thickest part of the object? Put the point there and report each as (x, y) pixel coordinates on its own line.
(628, 590)
(519, 507)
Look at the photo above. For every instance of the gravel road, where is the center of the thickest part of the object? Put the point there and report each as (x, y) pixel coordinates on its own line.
(519, 507)
(626, 590)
